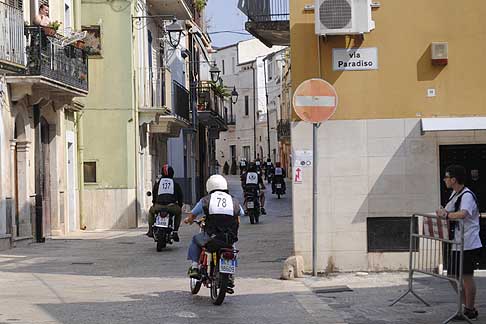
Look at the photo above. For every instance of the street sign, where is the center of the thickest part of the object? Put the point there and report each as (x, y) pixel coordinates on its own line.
(297, 175)
(315, 100)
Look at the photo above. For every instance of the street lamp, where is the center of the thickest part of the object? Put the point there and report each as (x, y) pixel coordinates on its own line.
(175, 31)
(214, 72)
(234, 96)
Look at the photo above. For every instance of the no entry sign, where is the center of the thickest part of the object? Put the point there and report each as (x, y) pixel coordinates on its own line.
(315, 100)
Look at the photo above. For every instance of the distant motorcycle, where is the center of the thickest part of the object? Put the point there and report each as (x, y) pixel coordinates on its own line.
(279, 190)
(217, 266)
(253, 206)
(162, 228)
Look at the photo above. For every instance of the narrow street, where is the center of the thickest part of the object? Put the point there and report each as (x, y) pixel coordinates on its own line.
(118, 277)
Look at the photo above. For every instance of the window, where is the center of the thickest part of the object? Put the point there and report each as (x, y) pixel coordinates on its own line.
(222, 66)
(247, 106)
(89, 172)
(270, 70)
(389, 234)
(246, 153)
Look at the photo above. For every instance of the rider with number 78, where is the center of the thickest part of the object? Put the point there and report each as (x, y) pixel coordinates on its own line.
(222, 213)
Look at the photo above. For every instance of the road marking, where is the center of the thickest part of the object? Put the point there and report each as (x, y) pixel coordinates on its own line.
(186, 315)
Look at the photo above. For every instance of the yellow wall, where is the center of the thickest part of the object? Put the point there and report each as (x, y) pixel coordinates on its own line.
(403, 34)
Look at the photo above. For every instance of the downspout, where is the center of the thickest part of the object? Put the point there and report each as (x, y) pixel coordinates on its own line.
(254, 111)
(268, 111)
(138, 205)
(80, 142)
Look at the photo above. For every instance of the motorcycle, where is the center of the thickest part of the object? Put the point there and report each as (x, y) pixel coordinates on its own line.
(217, 266)
(162, 228)
(279, 190)
(278, 187)
(253, 206)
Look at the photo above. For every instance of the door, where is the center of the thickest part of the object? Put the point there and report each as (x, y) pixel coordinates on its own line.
(473, 158)
(45, 177)
(71, 188)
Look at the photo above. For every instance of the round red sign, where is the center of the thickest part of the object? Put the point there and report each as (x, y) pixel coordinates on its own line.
(315, 100)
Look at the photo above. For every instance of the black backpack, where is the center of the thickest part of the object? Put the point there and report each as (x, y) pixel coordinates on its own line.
(457, 206)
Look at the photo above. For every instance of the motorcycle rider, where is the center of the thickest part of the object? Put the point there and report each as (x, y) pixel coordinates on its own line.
(279, 176)
(269, 168)
(252, 180)
(222, 213)
(243, 165)
(166, 194)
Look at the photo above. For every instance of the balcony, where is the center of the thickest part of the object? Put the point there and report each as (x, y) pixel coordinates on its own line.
(165, 114)
(182, 9)
(51, 68)
(11, 40)
(210, 108)
(283, 130)
(268, 20)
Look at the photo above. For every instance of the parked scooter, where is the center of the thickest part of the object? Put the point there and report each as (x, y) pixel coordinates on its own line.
(162, 228)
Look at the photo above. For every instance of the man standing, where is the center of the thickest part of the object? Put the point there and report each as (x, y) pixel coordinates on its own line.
(463, 205)
(42, 18)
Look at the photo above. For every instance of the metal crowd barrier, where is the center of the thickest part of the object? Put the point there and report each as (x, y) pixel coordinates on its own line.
(433, 251)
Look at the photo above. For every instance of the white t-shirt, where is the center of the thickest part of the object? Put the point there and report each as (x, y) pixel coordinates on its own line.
(471, 221)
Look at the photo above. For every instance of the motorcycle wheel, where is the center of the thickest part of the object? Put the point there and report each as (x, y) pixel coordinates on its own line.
(252, 217)
(161, 240)
(278, 196)
(195, 286)
(218, 288)
(257, 218)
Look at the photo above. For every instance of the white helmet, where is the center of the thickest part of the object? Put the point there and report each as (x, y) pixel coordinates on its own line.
(216, 182)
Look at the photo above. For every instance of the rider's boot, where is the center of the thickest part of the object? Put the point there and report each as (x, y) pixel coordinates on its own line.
(263, 211)
(150, 232)
(194, 273)
(175, 236)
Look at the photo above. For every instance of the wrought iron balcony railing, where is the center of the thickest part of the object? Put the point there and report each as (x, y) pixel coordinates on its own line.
(181, 101)
(11, 36)
(283, 129)
(209, 99)
(66, 65)
(265, 10)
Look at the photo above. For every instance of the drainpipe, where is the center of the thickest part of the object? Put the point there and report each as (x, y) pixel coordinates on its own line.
(254, 110)
(80, 142)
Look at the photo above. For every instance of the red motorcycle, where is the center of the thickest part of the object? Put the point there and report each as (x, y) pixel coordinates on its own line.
(217, 266)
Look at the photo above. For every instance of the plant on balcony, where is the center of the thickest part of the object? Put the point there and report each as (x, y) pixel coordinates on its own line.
(200, 4)
(220, 90)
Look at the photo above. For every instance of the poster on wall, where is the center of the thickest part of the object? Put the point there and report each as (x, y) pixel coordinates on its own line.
(92, 41)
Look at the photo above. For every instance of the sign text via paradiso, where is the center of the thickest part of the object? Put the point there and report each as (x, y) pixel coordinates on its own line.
(355, 59)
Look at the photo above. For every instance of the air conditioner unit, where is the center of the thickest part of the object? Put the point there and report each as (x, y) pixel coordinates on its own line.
(343, 17)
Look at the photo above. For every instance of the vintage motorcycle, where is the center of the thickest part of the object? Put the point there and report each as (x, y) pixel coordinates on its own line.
(162, 228)
(253, 206)
(217, 266)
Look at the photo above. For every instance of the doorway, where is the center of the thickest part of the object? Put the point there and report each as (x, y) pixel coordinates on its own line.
(45, 178)
(473, 158)
(71, 187)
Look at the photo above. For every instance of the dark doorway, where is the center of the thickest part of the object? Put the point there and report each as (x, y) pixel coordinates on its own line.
(46, 137)
(473, 158)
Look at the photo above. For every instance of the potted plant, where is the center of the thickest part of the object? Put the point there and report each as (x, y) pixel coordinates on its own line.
(200, 4)
(52, 28)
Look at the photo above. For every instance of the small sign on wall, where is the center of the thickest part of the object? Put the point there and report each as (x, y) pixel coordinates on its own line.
(355, 59)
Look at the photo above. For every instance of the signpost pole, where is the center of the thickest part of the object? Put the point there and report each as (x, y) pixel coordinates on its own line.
(315, 127)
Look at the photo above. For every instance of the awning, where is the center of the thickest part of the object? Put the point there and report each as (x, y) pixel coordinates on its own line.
(453, 124)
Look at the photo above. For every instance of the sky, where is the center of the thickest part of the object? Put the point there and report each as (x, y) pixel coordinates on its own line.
(224, 15)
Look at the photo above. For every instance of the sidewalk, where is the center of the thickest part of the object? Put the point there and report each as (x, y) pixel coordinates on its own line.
(360, 298)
